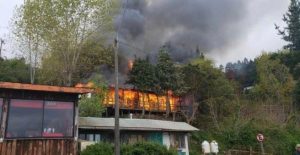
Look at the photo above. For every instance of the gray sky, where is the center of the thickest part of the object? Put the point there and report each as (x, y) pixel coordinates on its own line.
(259, 36)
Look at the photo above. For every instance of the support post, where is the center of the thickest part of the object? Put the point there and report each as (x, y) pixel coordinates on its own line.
(262, 148)
(117, 126)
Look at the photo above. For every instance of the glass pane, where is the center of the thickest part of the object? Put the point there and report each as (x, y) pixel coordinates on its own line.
(90, 137)
(97, 137)
(24, 119)
(82, 136)
(181, 141)
(58, 119)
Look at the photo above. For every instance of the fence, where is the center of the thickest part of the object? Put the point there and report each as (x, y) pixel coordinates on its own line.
(38, 147)
(244, 152)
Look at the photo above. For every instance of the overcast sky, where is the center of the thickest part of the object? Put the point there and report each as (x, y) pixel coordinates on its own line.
(261, 34)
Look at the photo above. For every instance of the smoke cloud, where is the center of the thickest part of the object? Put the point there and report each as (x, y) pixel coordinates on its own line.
(146, 25)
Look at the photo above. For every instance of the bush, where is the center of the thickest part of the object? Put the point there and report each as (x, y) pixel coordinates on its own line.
(141, 148)
(278, 140)
(98, 149)
(146, 148)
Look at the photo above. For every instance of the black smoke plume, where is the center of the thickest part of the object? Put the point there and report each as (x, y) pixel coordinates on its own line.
(184, 25)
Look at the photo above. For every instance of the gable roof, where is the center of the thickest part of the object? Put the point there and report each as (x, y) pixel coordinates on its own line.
(44, 88)
(135, 124)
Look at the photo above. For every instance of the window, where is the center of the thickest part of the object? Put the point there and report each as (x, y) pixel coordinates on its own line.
(25, 119)
(97, 137)
(58, 119)
(90, 137)
(177, 140)
(36, 118)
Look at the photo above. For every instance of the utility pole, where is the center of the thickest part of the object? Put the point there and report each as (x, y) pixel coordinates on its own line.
(117, 125)
(1, 45)
(117, 111)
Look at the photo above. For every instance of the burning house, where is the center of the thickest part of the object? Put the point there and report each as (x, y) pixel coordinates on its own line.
(135, 101)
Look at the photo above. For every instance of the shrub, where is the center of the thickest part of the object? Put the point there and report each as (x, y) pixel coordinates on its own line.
(98, 149)
(146, 148)
(141, 148)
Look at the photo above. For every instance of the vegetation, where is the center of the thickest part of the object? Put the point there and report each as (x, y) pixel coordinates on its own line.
(57, 32)
(92, 105)
(99, 149)
(142, 76)
(14, 70)
(140, 148)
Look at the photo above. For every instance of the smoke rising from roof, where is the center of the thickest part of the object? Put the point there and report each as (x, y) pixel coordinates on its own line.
(183, 24)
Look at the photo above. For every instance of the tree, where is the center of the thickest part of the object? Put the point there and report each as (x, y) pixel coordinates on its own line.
(92, 106)
(274, 82)
(27, 35)
(166, 76)
(62, 28)
(142, 76)
(291, 33)
(214, 92)
(14, 70)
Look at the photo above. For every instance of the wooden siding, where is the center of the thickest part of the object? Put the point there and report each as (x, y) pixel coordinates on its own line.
(38, 147)
(44, 88)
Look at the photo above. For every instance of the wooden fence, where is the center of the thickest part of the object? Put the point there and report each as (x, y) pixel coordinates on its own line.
(244, 152)
(38, 147)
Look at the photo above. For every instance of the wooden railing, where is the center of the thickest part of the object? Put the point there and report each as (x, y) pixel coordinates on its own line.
(38, 147)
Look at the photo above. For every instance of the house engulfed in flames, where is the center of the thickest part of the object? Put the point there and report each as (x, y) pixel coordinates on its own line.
(134, 100)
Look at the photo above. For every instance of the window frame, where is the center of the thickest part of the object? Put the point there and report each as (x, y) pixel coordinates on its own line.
(1, 114)
(43, 115)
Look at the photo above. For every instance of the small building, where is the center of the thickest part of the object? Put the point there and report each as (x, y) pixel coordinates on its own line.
(169, 133)
(38, 119)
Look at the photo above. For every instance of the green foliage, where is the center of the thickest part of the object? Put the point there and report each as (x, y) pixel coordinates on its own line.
(165, 71)
(296, 95)
(146, 148)
(59, 32)
(142, 75)
(98, 149)
(14, 70)
(274, 81)
(140, 148)
(166, 75)
(278, 140)
(93, 106)
(291, 33)
(211, 90)
(289, 59)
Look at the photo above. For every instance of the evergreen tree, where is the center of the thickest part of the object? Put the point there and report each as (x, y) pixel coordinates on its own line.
(291, 33)
(142, 76)
(166, 75)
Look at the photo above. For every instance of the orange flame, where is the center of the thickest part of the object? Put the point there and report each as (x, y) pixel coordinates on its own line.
(133, 99)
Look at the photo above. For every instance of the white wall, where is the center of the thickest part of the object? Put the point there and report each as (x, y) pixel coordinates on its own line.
(166, 139)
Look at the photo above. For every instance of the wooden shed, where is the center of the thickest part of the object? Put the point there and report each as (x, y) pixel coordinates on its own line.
(38, 119)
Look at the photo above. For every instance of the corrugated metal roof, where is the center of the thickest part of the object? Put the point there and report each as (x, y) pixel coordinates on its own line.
(45, 88)
(134, 124)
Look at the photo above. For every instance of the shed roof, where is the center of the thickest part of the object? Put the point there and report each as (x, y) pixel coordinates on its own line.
(134, 124)
(44, 88)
